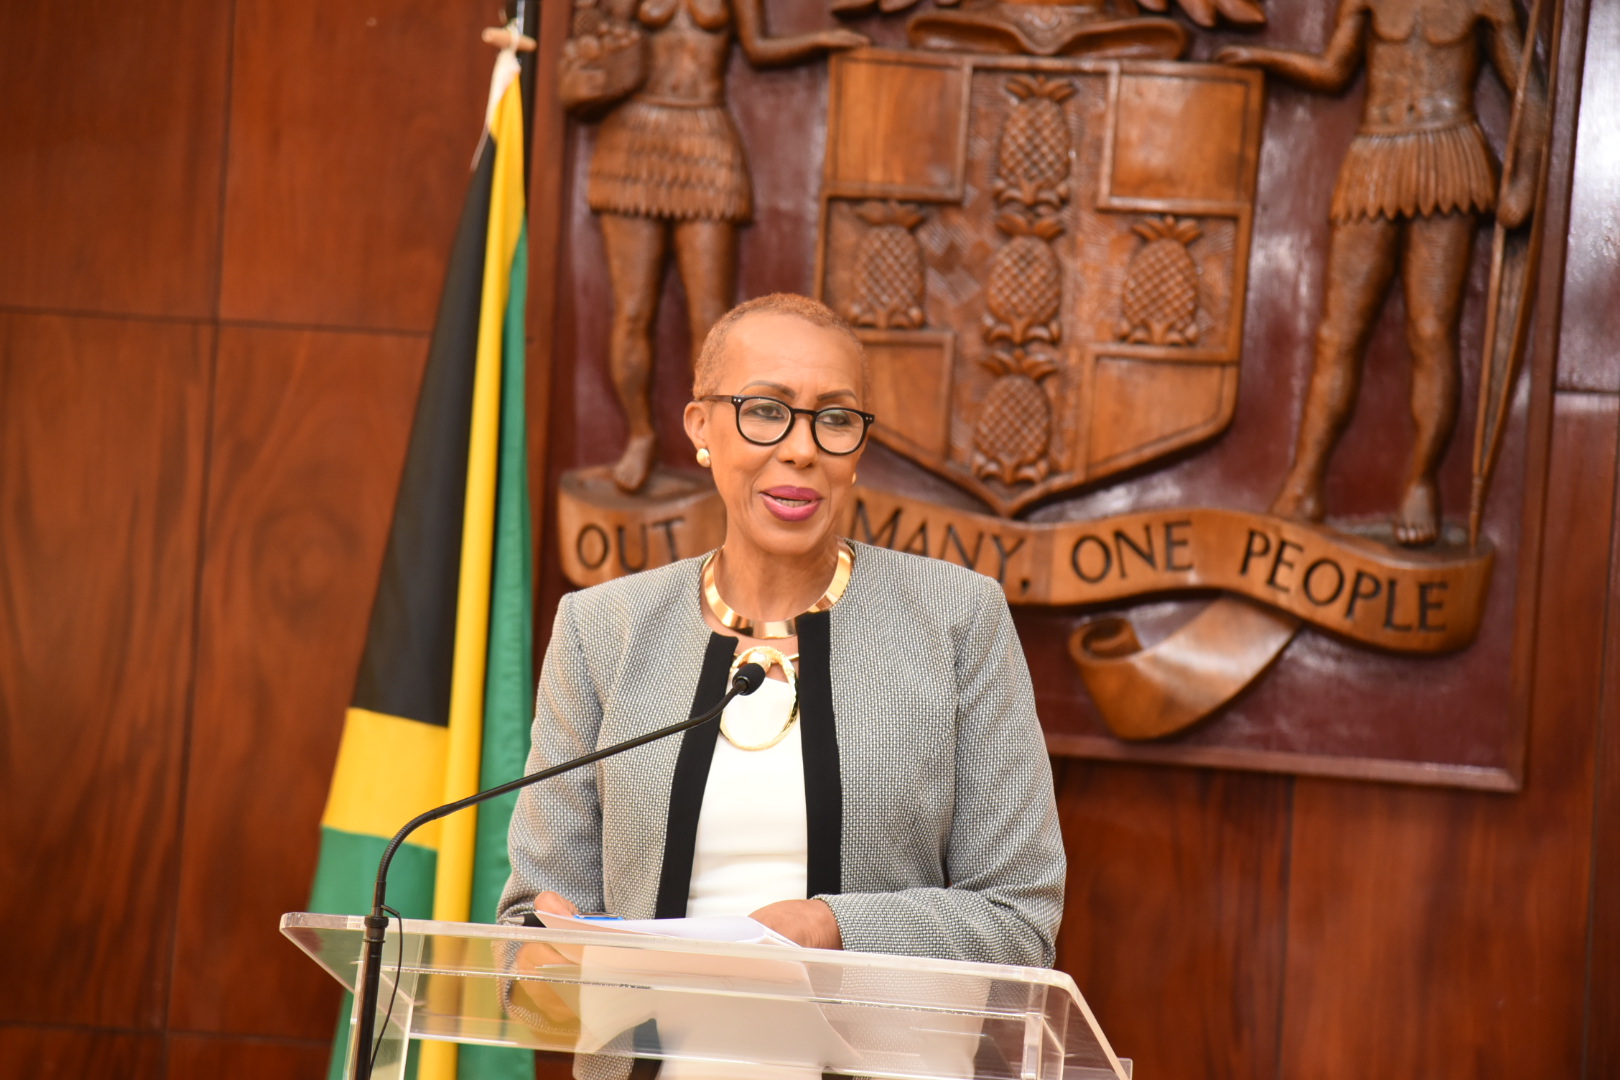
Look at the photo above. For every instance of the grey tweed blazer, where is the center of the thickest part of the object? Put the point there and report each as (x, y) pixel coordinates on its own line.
(933, 829)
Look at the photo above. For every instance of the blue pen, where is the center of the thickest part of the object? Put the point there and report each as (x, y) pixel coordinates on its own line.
(599, 918)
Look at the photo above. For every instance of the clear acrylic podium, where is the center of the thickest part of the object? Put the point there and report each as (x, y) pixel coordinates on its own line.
(760, 1011)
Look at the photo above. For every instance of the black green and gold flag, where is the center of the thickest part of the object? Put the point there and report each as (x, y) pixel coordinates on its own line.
(443, 699)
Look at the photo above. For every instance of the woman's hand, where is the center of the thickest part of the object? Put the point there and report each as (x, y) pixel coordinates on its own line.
(556, 903)
(533, 957)
(809, 923)
(538, 954)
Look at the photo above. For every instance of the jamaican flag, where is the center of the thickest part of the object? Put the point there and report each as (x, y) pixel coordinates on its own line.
(444, 696)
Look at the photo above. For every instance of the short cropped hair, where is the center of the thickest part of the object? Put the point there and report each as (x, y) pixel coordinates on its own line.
(706, 371)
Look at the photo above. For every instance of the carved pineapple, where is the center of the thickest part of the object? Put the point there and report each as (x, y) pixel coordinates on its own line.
(1160, 300)
(1015, 421)
(1026, 282)
(1034, 147)
(888, 267)
(1025, 287)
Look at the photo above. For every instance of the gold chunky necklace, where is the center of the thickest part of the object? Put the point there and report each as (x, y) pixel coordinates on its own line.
(750, 730)
(787, 627)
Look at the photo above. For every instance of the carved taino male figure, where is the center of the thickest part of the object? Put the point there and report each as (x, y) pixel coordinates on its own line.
(669, 169)
(1409, 193)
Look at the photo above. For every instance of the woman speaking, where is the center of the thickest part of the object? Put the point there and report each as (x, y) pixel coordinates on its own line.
(886, 790)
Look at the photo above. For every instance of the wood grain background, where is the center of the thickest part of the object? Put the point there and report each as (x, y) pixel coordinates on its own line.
(222, 232)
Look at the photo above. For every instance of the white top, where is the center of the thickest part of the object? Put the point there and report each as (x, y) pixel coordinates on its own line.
(751, 845)
(751, 851)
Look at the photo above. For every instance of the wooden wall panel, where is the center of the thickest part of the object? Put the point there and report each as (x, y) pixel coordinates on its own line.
(31, 1053)
(101, 459)
(111, 137)
(1591, 318)
(553, 1066)
(1415, 933)
(197, 1057)
(1175, 911)
(308, 442)
(1588, 359)
(1602, 1026)
(1443, 934)
(349, 126)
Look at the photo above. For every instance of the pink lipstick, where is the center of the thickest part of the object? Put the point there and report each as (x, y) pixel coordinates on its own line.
(791, 503)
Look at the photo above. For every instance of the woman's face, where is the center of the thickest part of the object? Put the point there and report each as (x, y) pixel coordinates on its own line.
(784, 499)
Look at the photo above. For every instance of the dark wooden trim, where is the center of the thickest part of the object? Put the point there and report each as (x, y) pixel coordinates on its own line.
(1099, 748)
(547, 212)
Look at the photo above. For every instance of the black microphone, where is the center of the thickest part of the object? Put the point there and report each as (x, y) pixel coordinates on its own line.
(748, 678)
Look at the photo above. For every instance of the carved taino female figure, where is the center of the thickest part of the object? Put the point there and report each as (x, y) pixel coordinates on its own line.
(669, 170)
(1409, 192)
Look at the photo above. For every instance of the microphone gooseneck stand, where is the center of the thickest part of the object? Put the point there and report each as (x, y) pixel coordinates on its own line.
(748, 678)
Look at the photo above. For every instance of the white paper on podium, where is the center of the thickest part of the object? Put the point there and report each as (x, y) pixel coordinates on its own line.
(734, 929)
(734, 1011)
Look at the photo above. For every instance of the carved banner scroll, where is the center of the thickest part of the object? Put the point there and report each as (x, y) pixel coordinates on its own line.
(1356, 587)
(1189, 675)
(1097, 272)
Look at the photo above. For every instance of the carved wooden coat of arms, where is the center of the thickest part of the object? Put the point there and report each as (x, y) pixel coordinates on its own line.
(1039, 220)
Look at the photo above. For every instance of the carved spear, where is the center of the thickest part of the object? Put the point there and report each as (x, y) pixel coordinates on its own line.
(1514, 261)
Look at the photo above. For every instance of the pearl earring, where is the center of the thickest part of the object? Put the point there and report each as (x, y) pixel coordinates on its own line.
(703, 457)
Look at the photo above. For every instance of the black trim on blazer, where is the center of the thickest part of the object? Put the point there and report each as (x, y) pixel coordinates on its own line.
(823, 786)
(691, 777)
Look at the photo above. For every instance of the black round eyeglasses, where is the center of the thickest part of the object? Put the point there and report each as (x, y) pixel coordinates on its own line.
(765, 421)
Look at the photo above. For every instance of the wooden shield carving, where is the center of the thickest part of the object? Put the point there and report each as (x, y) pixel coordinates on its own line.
(1045, 257)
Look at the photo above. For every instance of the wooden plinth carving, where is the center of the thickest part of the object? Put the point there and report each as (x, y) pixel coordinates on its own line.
(1409, 192)
(608, 533)
(669, 171)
